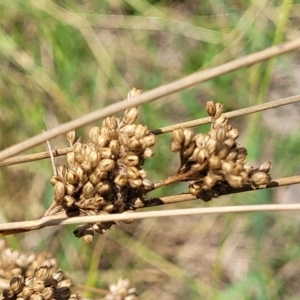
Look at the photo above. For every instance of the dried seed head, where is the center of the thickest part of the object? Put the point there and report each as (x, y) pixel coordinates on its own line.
(16, 284)
(233, 133)
(106, 165)
(42, 273)
(71, 159)
(37, 285)
(48, 293)
(175, 146)
(58, 275)
(210, 108)
(135, 183)
(188, 137)
(260, 179)
(59, 191)
(71, 137)
(220, 134)
(265, 167)
(140, 131)
(134, 92)
(121, 180)
(149, 140)
(219, 110)
(102, 188)
(131, 160)
(132, 173)
(148, 153)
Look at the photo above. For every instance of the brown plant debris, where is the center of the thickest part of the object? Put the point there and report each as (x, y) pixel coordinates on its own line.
(213, 161)
(32, 277)
(107, 176)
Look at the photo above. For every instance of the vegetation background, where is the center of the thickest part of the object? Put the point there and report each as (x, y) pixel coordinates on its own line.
(62, 59)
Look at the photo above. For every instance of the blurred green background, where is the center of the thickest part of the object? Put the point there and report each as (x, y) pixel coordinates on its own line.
(62, 59)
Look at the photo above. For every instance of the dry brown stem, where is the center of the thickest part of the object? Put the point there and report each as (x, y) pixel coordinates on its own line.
(153, 94)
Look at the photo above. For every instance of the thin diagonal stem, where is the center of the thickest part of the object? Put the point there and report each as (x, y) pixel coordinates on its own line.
(153, 94)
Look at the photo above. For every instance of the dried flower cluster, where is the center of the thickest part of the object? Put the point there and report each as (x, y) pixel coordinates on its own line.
(122, 290)
(33, 277)
(106, 175)
(212, 161)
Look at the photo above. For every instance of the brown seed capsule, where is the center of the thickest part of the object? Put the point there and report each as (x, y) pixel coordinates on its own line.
(220, 134)
(61, 171)
(68, 201)
(95, 178)
(86, 166)
(114, 147)
(16, 284)
(72, 177)
(71, 159)
(148, 152)
(42, 272)
(70, 189)
(131, 160)
(88, 190)
(105, 153)
(106, 165)
(214, 162)
(210, 146)
(64, 292)
(201, 156)
(148, 185)
(221, 121)
(102, 188)
(133, 173)
(199, 140)
(80, 174)
(140, 131)
(260, 179)
(59, 191)
(102, 141)
(175, 146)
(149, 140)
(194, 155)
(121, 180)
(58, 275)
(188, 137)
(48, 293)
(130, 115)
(265, 167)
(65, 282)
(234, 181)
(129, 130)
(27, 292)
(134, 145)
(93, 158)
(178, 136)
(233, 133)
(219, 110)
(248, 168)
(135, 183)
(37, 285)
(36, 296)
(210, 108)
(188, 151)
(208, 182)
(71, 137)
(108, 207)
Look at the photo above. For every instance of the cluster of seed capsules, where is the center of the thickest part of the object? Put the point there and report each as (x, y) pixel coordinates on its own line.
(44, 285)
(106, 175)
(214, 161)
(33, 277)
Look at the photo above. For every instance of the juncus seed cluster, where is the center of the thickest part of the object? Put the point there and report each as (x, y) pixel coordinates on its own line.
(106, 175)
(33, 277)
(212, 161)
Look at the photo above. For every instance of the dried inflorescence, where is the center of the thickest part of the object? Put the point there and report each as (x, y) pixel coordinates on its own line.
(33, 277)
(122, 290)
(106, 175)
(212, 161)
